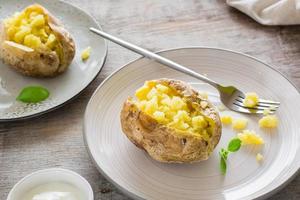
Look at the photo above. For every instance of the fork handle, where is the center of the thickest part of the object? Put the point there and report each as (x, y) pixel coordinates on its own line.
(155, 57)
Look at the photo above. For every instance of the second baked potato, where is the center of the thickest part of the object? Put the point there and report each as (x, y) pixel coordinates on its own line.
(171, 121)
(35, 43)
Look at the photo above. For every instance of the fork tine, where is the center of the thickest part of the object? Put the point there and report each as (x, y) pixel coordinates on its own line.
(262, 108)
(268, 102)
(264, 101)
(247, 110)
(260, 104)
(268, 105)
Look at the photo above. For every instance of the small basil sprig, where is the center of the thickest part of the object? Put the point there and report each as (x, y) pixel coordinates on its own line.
(223, 158)
(33, 94)
(233, 146)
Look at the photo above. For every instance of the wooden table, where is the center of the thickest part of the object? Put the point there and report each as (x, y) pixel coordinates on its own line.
(55, 139)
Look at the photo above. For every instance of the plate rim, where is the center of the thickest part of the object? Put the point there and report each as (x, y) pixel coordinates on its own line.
(265, 195)
(101, 63)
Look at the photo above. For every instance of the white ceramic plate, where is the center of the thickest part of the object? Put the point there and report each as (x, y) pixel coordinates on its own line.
(64, 87)
(140, 177)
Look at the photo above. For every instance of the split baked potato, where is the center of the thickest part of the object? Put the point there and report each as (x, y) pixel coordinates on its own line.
(171, 121)
(35, 43)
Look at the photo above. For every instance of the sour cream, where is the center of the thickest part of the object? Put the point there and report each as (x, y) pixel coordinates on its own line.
(54, 191)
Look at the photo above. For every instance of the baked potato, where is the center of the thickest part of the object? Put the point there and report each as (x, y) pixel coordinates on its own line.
(35, 43)
(171, 121)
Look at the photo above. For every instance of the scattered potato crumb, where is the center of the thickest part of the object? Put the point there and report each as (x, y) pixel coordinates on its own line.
(239, 124)
(221, 108)
(250, 137)
(259, 157)
(251, 99)
(266, 111)
(85, 54)
(268, 121)
(226, 119)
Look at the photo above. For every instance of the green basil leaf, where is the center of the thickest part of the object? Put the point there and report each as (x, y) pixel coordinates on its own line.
(33, 94)
(234, 145)
(223, 165)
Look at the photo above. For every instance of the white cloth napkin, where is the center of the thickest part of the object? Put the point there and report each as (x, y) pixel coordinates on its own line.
(270, 12)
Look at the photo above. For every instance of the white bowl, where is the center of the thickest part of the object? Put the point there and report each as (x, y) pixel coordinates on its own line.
(47, 176)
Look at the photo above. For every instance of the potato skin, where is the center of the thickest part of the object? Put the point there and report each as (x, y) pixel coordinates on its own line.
(166, 144)
(39, 62)
(66, 40)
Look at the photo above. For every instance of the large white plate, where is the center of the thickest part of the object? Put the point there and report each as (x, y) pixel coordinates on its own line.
(136, 174)
(64, 87)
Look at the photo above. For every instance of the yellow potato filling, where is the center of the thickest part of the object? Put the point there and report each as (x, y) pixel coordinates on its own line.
(30, 28)
(166, 106)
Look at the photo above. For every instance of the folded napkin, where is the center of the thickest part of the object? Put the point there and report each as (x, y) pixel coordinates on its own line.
(270, 12)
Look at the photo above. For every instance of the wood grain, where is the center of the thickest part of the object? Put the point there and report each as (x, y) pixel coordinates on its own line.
(55, 139)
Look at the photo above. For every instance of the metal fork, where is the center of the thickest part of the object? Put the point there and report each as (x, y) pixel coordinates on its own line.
(230, 96)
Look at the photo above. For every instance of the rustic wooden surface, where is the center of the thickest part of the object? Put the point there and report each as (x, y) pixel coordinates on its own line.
(55, 139)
